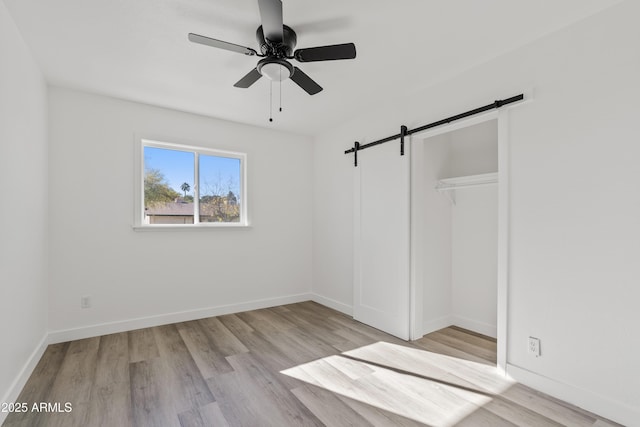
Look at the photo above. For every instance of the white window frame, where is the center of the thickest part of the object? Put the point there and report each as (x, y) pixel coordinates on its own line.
(138, 222)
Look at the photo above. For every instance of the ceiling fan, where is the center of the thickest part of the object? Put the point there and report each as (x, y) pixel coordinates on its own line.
(277, 42)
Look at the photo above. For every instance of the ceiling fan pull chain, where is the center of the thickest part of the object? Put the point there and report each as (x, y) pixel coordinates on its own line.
(270, 100)
(280, 82)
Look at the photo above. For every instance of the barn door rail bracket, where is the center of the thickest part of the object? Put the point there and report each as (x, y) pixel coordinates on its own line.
(356, 147)
(404, 131)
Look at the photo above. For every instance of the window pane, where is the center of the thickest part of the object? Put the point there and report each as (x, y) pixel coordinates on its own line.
(168, 186)
(219, 189)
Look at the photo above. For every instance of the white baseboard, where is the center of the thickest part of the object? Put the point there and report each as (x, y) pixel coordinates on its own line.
(475, 326)
(164, 319)
(331, 303)
(24, 374)
(585, 399)
(436, 324)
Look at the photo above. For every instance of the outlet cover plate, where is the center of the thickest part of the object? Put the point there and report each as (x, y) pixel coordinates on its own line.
(85, 302)
(534, 346)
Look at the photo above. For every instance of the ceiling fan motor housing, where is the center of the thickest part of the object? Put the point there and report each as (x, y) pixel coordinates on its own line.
(279, 50)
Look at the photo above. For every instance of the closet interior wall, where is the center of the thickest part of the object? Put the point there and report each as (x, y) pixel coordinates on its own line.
(458, 232)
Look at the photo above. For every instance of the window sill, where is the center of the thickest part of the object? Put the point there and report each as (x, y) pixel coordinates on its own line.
(188, 227)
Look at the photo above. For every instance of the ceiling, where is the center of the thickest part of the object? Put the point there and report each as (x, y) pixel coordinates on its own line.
(138, 49)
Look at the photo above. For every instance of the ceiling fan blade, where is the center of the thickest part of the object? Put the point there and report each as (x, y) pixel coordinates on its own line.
(271, 16)
(305, 82)
(221, 45)
(252, 77)
(326, 53)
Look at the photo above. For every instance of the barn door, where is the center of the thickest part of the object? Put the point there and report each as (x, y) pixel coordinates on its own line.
(382, 239)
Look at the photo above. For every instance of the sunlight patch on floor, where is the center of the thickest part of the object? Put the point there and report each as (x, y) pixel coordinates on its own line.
(427, 387)
(482, 377)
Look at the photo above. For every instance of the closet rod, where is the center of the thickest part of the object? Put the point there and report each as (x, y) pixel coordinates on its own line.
(493, 105)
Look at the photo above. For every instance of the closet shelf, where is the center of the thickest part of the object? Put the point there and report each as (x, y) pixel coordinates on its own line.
(467, 181)
(447, 185)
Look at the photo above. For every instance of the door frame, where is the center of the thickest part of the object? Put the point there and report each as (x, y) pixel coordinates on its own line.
(416, 286)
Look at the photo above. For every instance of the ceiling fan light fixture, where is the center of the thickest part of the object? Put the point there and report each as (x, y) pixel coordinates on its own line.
(275, 72)
(274, 69)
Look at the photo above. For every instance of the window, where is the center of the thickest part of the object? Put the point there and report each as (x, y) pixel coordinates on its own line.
(188, 186)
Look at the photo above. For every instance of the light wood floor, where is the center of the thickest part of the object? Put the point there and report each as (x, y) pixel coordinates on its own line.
(294, 365)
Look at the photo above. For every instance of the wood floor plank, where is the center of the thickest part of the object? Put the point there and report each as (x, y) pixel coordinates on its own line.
(482, 378)
(212, 415)
(470, 337)
(238, 327)
(470, 333)
(328, 407)
(354, 339)
(151, 403)
(559, 413)
(74, 382)
(435, 346)
(260, 346)
(142, 345)
(110, 403)
(275, 360)
(183, 378)
(601, 423)
(208, 359)
(366, 330)
(265, 399)
(379, 417)
(266, 321)
(238, 404)
(483, 418)
(317, 314)
(464, 346)
(18, 419)
(518, 414)
(307, 347)
(318, 311)
(191, 418)
(223, 340)
(317, 328)
(332, 373)
(405, 359)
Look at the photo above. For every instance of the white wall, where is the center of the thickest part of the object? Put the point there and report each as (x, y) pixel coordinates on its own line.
(474, 149)
(133, 274)
(435, 248)
(474, 259)
(474, 230)
(574, 203)
(23, 209)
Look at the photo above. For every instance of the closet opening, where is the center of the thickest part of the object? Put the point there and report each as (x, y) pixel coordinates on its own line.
(458, 223)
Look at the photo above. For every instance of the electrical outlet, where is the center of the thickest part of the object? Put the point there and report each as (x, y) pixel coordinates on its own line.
(85, 302)
(534, 346)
